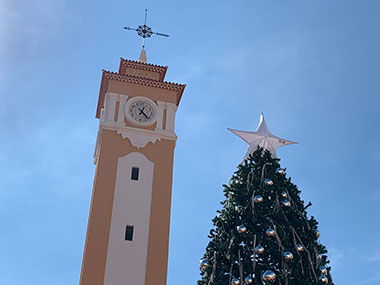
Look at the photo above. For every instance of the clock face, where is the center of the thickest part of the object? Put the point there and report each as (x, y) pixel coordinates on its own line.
(141, 112)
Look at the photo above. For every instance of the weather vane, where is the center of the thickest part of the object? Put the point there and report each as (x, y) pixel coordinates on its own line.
(145, 31)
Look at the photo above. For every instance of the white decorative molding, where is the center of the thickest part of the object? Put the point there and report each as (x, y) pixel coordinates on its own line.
(110, 106)
(170, 118)
(138, 140)
(102, 116)
(121, 114)
(97, 147)
(98, 138)
(160, 115)
(139, 137)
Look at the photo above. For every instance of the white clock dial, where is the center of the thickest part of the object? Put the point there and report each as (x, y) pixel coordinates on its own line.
(141, 112)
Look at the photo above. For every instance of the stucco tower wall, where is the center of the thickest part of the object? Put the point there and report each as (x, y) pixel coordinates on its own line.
(94, 260)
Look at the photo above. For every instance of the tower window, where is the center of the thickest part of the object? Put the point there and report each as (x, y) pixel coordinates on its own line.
(135, 173)
(129, 233)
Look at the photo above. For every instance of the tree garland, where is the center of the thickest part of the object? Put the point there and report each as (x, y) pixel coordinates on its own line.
(272, 215)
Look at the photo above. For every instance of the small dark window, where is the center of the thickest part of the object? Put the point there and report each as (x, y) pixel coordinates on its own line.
(129, 233)
(135, 173)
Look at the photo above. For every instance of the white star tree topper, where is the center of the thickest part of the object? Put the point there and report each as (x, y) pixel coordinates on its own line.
(261, 137)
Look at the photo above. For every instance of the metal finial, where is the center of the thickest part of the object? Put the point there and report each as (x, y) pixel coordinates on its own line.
(145, 31)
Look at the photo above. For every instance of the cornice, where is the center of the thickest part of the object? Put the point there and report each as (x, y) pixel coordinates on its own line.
(137, 136)
(143, 81)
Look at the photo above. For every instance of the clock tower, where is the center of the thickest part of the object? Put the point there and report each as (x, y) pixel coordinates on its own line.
(128, 228)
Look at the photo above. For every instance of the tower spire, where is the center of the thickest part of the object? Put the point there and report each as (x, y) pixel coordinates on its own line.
(142, 57)
(144, 31)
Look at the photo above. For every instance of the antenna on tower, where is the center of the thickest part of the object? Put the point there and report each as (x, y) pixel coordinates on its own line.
(145, 31)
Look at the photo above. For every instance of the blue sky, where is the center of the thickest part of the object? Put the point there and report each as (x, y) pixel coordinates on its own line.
(312, 67)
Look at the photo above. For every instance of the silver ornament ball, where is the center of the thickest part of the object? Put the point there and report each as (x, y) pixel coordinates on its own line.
(241, 229)
(324, 279)
(288, 255)
(259, 249)
(286, 203)
(317, 234)
(280, 171)
(270, 232)
(299, 247)
(258, 199)
(235, 281)
(323, 270)
(268, 182)
(203, 264)
(269, 276)
(248, 280)
(239, 209)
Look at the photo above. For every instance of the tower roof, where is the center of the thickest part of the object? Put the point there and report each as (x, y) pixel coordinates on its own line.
(126, 63)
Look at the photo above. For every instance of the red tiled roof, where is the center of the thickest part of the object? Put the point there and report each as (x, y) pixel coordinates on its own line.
(125, 63)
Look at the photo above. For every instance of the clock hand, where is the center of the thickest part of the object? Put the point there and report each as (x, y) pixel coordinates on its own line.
(145, 116)
(142, 112)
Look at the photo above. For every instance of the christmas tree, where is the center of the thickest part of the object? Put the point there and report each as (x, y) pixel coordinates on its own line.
(263, 235)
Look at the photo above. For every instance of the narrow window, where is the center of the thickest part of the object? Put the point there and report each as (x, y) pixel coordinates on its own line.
(135, 173)
(129, 233)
